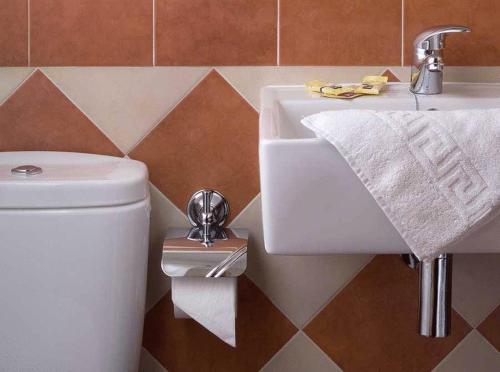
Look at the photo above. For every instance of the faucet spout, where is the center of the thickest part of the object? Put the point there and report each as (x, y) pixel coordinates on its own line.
(427, 68)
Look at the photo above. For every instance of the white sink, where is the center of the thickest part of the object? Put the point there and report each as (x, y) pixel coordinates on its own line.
(312, 202)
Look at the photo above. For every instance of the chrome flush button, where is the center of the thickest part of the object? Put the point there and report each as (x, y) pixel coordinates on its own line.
(26, 170)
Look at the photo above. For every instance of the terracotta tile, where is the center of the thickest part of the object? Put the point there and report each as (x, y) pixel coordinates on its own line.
(210, 140)
(372, 323)
(223, 32)
(392, 78)
(14, 33)
(479, 48)
(490, 328)
(184, 345)
(339, 32)
(38, 116)
(86, 33)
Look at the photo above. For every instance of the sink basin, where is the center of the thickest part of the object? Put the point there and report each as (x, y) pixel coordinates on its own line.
(312, 202)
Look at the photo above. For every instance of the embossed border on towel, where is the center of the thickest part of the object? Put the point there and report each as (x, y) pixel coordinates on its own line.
(442, 159)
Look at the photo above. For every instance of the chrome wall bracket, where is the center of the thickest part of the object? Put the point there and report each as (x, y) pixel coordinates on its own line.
(435, 294)
(207, 212)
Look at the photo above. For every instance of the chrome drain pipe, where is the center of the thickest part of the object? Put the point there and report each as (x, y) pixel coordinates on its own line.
(435, 296)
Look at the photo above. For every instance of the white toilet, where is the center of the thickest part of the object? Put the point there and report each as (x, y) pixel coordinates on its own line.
(74, 246)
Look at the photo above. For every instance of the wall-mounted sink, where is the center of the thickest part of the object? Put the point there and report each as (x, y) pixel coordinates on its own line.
(312, 202)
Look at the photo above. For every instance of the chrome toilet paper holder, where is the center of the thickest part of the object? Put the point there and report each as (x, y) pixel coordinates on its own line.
(207, 249)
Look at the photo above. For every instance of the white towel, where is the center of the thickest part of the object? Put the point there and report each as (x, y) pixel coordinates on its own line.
(435, 174)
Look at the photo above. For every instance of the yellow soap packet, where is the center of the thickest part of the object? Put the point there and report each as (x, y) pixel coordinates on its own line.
(331, 90)
(372, 85)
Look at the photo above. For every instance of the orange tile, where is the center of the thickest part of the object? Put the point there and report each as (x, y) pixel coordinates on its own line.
(184, 345)
(490, 328)
(371, 325)
(39, 117)
(222, 32)
(392, 78)
(210, 140)
(86, 33)
(479, 48)
(14, 33)
(339, 32)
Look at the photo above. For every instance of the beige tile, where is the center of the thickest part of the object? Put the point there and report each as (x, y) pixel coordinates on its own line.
(149, 364)
(298, 285)
(163, 215)
(248, 81)
(11, 78)
(474, 353)
(476, 285)
(126, 103)
(300, 354)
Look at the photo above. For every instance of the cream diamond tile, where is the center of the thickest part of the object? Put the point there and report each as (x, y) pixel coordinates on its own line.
(124, 102)
(149, 363)
(11, 78)
(248, 81)
(163, 215)
(476, 285)
(300, 354)
(298, 285)
(474, 353)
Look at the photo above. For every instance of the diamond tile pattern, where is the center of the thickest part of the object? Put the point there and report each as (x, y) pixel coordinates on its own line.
(38, 116)
(372, 322)
(184, 345)
(210, 140)
(363, 317)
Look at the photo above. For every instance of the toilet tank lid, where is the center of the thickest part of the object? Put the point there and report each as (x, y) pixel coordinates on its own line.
(70, 180)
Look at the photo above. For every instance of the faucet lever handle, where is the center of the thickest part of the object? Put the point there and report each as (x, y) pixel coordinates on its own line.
(433, 38)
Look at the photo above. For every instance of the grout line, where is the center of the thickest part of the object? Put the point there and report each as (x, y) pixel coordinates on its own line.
(235, 88)
(154, 33)
(29, 32)
(18, 86)
(402, 33)
(68, 97)
(278, 11)
(250, 203)
(181, 98)
(327, 302)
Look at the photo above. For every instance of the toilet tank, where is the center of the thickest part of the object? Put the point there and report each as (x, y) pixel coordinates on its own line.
(73, 259)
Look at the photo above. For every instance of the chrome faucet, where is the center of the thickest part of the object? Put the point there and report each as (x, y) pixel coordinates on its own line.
(427, 67)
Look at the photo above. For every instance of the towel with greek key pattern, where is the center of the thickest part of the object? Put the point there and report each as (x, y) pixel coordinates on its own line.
(435, 174)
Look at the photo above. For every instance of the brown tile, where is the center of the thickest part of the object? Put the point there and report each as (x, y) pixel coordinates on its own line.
(38, 116)
(479, 48)
(392, 78)
(184, 345)
(339, 32)
(223, 32)
(210, 140)
(371, 325)
(14, 33)
(490, 328)
(86, 33)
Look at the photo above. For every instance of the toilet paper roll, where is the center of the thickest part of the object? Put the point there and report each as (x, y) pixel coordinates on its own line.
(209, 301)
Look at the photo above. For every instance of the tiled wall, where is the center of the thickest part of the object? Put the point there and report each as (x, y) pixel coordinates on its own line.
(351, 313)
